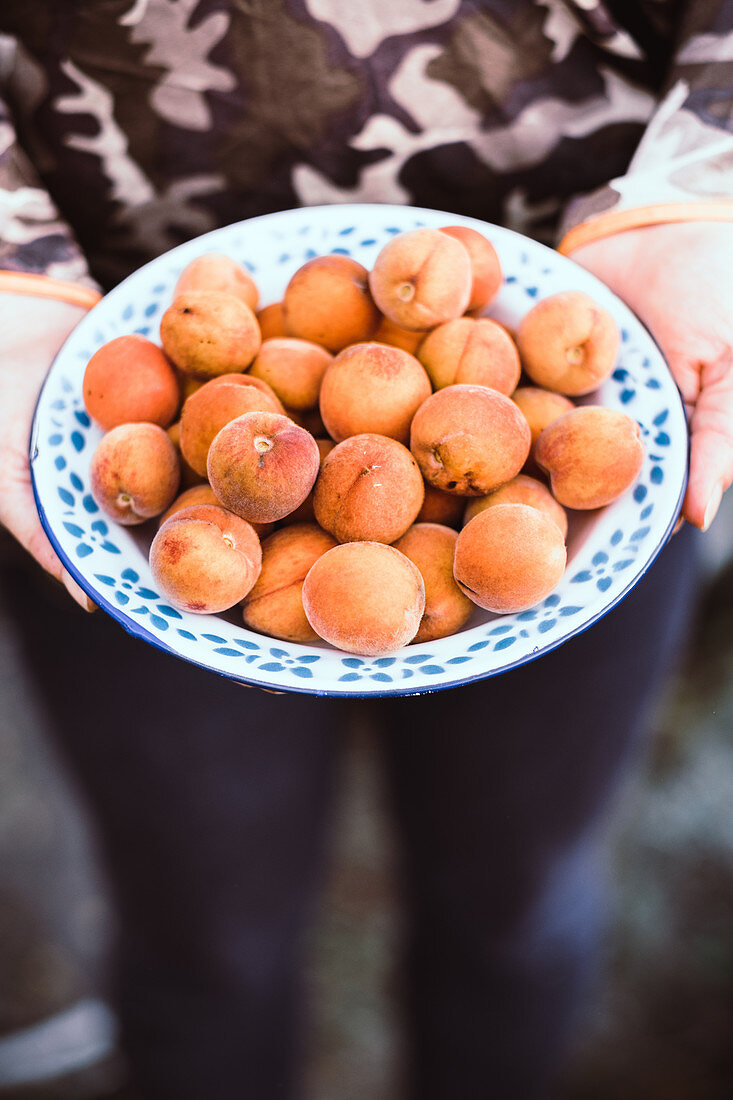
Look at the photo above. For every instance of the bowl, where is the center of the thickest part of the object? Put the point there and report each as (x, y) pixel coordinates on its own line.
(608, 551)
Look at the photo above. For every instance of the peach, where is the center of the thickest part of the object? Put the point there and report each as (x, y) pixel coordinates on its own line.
(275, 604)
(188, 384)
(592, 456)
(372, 388)
(485, 265)
(431, 547)
(262, 466)
(325, 446)
(204, 559)
(568, 343)
(173, 431)
(246, 380)
(204, 494)
(130, 379)
(209, 332)
(364, 597)
(509, 557)
(521, 490)
(134, 472)
(469, 440)
(327, 301)
(310, 419)
(476, 352)
(215, 271)
(369, 488)
(304, 513)
(189, 476)
(197, 494)
(539, 408)
(421, 279)
(396, 337)
(440, 507)
(207, 411)
(271, 321)
(293, 368)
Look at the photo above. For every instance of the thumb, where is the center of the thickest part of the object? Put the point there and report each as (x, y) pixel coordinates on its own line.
(20, 517)
(711, 439)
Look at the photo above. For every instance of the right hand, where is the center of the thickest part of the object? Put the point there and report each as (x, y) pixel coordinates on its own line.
(686, 306)
(33, 330)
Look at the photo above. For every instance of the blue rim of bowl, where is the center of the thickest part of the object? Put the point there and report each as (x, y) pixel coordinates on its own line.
(137, 631)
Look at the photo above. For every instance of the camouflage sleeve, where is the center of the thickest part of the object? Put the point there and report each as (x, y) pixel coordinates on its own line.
(686, 154)
(33, 236)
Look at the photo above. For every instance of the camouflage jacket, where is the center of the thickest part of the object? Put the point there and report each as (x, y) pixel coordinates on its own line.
(127, 126)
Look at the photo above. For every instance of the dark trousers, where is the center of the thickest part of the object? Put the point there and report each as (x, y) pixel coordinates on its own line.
(212, 800)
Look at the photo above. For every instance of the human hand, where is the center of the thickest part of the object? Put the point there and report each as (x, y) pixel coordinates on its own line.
(679, 280)
(32, 332)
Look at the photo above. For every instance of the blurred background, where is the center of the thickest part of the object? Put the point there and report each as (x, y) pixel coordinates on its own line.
(660, 1026)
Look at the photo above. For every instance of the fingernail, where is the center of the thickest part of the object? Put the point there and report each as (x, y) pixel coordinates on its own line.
(77, 593)
(712, 508)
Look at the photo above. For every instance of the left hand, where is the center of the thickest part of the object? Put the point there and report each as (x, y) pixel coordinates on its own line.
(678, 279)
(33, 330)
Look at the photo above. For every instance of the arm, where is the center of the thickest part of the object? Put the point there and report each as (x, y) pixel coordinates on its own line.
(679, 280)
(683, 166)
(661, 237)
(34, 239)
(25, 361)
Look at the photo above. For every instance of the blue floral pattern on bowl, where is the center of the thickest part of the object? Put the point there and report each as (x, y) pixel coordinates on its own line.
(608, 551)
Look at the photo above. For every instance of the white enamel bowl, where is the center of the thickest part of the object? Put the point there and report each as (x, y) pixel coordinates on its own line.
(608, 551)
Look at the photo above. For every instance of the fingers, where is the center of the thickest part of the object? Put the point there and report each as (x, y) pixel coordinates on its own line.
(711, 442)
(20, 517)
(704, 489)
(77, 593)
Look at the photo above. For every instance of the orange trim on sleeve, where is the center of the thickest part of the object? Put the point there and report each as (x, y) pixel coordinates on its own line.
(617, 221)
(42, 286)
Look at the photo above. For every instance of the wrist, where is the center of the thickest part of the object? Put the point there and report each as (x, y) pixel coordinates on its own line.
(34, 329)
(662, 267)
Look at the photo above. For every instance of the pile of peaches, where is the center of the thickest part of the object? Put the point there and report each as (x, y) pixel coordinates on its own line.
(364, 461)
